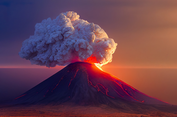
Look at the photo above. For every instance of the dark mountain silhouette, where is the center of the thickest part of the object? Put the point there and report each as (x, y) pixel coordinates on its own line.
(84, 84)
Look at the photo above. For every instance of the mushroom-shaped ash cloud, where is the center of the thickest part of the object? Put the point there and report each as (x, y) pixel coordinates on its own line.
(67, 39)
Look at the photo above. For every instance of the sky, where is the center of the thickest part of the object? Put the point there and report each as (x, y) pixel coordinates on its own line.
(145, 31)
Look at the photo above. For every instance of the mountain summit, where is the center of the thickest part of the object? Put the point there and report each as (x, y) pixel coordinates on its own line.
(84, 84)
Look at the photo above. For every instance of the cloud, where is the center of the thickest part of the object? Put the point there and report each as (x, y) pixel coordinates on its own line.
(67, 39)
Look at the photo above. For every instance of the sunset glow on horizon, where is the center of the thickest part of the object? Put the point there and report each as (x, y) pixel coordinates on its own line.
(102, 67)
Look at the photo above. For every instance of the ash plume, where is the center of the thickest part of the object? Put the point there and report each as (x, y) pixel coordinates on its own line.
(67, 39)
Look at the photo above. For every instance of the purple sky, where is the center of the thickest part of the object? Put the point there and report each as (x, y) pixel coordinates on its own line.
(144, 30)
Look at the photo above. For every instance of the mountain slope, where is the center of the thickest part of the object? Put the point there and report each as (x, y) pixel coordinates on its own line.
(84, 84)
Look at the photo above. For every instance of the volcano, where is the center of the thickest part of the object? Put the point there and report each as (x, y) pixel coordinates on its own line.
(83, 83)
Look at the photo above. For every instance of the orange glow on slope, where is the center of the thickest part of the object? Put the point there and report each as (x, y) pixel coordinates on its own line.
(119, 84)
(98, 66)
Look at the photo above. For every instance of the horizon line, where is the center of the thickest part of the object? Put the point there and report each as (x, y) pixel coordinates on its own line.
(105, 66)
(142, 67)
(21, 66)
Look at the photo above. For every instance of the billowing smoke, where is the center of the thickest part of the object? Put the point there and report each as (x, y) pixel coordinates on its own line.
(67, 39)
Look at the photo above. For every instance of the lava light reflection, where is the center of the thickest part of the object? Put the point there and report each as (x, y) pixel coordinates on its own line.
(98, 66)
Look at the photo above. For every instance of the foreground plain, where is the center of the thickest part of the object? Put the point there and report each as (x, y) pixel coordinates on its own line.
(76, 111)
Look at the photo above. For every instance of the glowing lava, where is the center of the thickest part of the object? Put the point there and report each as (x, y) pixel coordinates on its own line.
(91, 59)
(98, 66)
(94, 61)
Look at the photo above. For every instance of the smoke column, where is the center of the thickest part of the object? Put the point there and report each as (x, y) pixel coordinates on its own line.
(68, 39)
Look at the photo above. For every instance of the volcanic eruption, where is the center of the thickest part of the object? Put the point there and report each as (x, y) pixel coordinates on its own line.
(69, 40)
(83, 83)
